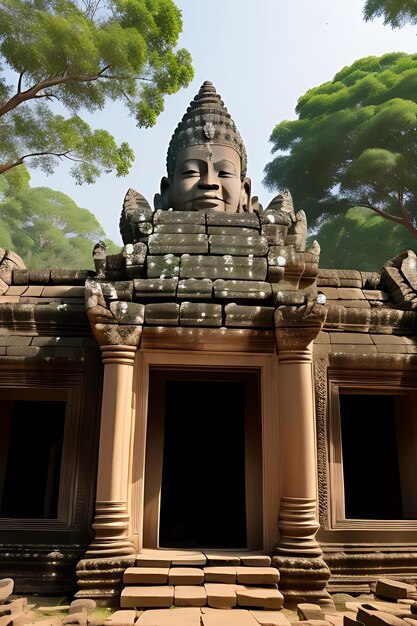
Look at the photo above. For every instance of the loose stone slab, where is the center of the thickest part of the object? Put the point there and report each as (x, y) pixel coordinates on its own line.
(79, 617)
(195, 288)
(213, 574)
(257, 575)
(174, 617)
(200, 314)
(190, 595)
(238, 244)
(6, 588)
(141, 597)
(307, 610)
(82, 604)
(155, 287)
(237, 617)
(121, 618)
(146, 575)
(242, 289)
(270, 618)
(221, 596)
(227, 266)
(179, 217)
(166, 313)
(388, 588)
(185, 576)
(165, 243)
(378, 618)
(249, 316)
(163, 266)
(268, 598)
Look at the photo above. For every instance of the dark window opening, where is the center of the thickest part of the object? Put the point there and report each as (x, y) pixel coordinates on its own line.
(203, 477)
(31, 440)
(375, 460)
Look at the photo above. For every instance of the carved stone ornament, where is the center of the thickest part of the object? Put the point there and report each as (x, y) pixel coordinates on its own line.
(209, 130)
(296, 327)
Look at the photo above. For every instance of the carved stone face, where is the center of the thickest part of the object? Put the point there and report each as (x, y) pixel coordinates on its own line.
(208, 177)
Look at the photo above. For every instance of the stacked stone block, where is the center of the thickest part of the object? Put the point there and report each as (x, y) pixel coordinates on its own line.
(210, 269)
(161, 579)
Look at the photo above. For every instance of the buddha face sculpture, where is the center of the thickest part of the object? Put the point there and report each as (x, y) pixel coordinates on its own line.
(206, 160)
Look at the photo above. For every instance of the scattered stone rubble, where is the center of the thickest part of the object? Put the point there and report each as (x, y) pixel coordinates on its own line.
(393, 603)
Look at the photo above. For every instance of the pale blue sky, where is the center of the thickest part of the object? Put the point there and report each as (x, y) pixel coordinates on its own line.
(261, 55)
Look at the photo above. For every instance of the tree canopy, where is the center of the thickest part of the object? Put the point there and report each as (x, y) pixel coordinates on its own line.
(45, 227)
(62, 58)
(396, 13)
(354, 143)
(360, 239)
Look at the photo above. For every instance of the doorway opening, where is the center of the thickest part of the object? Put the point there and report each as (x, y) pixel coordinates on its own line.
(379, 460)
(203, 477)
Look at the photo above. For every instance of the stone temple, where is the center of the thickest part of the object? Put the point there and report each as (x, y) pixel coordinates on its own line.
(209, 418)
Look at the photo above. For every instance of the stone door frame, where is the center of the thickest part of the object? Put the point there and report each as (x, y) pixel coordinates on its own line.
(267, 367)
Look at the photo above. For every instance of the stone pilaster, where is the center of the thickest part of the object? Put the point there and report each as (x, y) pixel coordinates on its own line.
(297, 554)
(100, 572)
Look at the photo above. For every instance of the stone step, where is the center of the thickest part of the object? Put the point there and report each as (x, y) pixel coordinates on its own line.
(167, 558)
(215, 595)
(201, 579)
(197, 617)
(246, 575)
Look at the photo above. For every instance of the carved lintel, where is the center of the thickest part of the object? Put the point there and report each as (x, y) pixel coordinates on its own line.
(297, 326)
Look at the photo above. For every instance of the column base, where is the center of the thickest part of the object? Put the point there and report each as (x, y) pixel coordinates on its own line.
(102, 579)
(303, 580)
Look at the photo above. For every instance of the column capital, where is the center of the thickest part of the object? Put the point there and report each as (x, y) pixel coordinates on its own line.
(108, 332)
(297, 326)
(121, 355)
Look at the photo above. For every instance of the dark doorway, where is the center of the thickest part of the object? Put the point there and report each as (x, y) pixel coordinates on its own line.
(372, 481)
(203, 477)
(31, 440)
(203, 469)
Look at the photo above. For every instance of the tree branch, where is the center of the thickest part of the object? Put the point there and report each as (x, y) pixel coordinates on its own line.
(33, 92)
(5, 167)
(404, 220)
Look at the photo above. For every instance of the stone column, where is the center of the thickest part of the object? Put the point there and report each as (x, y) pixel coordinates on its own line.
(111, 520)
(101, 570)
(298, 555)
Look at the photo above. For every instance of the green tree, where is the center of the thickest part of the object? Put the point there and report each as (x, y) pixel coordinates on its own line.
(354, 143)
(60, 58)
(396, 13)
(45, 227)
(360, 239)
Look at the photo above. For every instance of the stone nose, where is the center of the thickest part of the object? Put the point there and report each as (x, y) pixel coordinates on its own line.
(208, 178)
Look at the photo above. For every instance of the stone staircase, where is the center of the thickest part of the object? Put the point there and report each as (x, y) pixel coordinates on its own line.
(172, 578)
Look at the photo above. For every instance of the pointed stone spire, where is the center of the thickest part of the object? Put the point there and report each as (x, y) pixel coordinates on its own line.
(206, 120)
